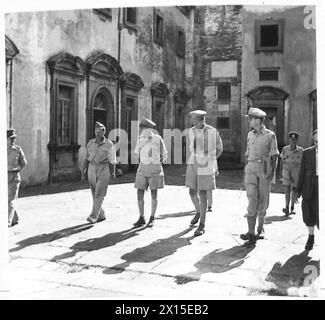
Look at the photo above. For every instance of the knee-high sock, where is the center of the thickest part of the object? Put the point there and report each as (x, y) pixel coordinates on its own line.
(196, 201)
(251, 221)
(203, 207)
(154, 203)
(141, 207)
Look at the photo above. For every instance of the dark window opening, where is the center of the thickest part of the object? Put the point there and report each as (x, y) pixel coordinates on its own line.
(64, 115)
(223, 123)
(180, 44)
(158, 28)
(131, 15)
(269, 75)
(224, 91)
(269, 35)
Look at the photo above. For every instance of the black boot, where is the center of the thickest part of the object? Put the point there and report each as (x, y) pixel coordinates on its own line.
(286, 211)
(151, 222)
(140, 222)
(250, 238)
(310, 242)
(196, 219)
(199, 231)
(292, 211)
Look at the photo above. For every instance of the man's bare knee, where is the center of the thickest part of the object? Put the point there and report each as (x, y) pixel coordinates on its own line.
(140, 194)
(154, 194)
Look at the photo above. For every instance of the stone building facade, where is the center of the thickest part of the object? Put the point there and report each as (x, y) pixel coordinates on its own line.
(80, 66)
(279, 69)
(68, 69)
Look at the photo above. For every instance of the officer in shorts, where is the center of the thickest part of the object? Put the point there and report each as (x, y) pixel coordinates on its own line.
(290, 162)
(152, 151)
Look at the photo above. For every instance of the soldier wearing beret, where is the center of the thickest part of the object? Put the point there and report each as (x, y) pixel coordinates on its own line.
(261, 161)
(100, 153)
(307, 187)
(205, 146)
(290, 162)
(151, 149)
(16, 162)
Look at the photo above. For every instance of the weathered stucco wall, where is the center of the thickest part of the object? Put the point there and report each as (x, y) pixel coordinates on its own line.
(39, 35)
(297, 63)
(219, 39)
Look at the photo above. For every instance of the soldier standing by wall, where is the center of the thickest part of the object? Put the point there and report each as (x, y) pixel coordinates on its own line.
(99, 155)
(261, 161)
(152, 151)
(16, 162)
(205, 147)
(290, 163)
(307, 187)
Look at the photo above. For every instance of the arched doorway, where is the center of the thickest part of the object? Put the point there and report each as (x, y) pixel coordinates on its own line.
(102, 108)
(272, 100)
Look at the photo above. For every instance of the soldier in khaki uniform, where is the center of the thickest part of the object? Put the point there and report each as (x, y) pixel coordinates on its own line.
(261, 161)
(100, 153)
(16, 162)
(290, 162)
(205, 147)
(152, 152)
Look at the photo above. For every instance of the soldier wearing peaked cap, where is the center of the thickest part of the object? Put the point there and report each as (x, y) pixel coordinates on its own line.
(261, 161)
(16, 162)
(205, 146)
(151, 149)
(100, 153)
(290, 163)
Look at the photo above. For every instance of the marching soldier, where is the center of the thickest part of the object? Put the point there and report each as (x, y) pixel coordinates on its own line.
(205, 147)
(99, 155)
(152, 152)
(307, 187)
(290, 161)
(261, 161)
(16, 162)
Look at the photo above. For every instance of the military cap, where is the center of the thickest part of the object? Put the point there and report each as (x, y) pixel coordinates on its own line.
(256, 113)
(11, 133)
(293, 134)
(147, 123)
(198, 113)
(99, 125)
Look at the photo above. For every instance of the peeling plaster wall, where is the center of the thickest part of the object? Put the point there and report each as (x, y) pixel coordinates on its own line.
(39, 35)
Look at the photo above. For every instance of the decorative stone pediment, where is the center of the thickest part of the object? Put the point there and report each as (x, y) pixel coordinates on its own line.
(132, 81)
(181, 96)
(267, 93)
(66, 63)
(11, 49)
(159, 89)
(103, 65)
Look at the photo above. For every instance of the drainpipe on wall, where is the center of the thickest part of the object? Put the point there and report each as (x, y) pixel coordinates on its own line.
(118, 91)
(10, 93)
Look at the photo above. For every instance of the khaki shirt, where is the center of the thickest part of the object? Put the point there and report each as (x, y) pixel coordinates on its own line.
(16, 158)
(151, 149)
(205, 145)
(101, 153)
(291, 158)
(262, 145)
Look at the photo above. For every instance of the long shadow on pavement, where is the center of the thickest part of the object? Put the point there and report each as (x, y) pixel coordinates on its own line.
(293, 273)
(217, 261)
(270, 219)
(176, 215)
(92, 244)
(158, 249)
(49, 237)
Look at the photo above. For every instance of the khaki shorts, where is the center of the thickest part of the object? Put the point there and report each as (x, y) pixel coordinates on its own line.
(199, 182)
(290, 176)
(154, 182)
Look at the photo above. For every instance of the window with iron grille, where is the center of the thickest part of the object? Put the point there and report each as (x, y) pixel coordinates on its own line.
(180, 42)
(268, 75)
(224, 91)
(158, 27)
(223, 116)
